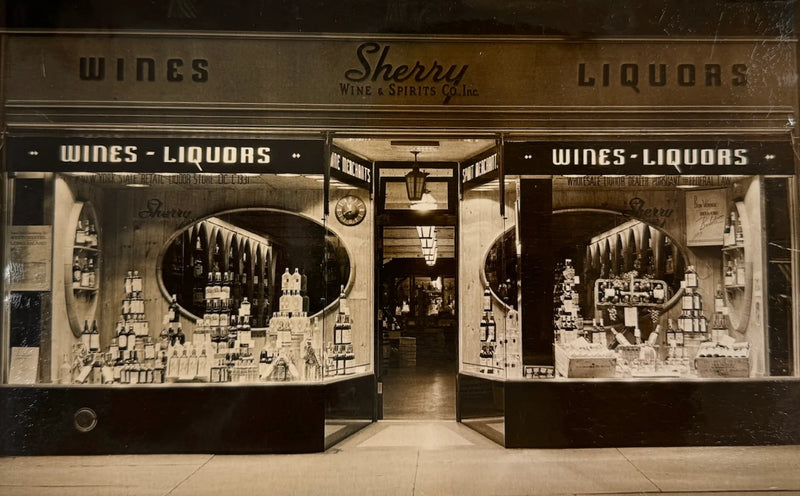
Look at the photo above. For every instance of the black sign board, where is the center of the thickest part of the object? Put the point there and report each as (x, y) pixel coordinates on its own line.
(185, 155)
(479, 169)
(351, 169)
(712, 157)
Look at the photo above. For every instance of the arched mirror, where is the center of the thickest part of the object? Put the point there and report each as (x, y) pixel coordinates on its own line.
(602, 244)
(249, 250)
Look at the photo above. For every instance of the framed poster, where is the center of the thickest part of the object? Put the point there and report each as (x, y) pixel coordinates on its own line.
(705, 217)
(30, 254)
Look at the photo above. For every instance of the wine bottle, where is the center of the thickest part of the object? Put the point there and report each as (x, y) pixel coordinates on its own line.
(652, 339)
(619, 337)
(86, 336)
(76, 270)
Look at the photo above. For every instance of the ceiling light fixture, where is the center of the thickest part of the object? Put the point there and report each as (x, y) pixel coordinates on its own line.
(415, 181)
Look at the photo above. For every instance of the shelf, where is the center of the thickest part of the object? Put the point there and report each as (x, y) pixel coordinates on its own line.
(733, 248)
(83, 288)
(86, 248)
(620, 304)
(736, 287)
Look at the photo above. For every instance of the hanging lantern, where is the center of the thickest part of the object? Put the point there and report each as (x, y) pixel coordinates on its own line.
(415, 181)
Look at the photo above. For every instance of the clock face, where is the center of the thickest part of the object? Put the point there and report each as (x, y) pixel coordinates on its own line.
(350, 210)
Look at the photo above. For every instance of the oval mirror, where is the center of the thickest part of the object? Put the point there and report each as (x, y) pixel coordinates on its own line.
(249, 250)
(601, 244)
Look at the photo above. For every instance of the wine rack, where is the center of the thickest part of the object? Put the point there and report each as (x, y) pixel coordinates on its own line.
(82, 265)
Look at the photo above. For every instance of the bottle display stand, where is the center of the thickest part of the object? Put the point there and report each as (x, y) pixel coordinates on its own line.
(82, 262)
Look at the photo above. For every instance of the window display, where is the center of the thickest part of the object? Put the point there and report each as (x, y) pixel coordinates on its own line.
(195, 293)
(661, 279)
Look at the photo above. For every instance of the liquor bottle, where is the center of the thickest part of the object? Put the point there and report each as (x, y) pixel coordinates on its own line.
(652, 339)
(172, 365)
(619, 337)
(94, 338)
(719, 299)
(347, 332)
(76, 270)
(727, 233)
(92, 278)
(180, 337)
(80, 234)
(85, 273)
(637, 335)
(730, 277)
(492, 330)
(128, 283)
(202, 366)
(92, 235)
(86, 336)
(484, 328)
(65, 371)
(197, 265)
(131, 338)
(669, 265)
(217, 289)
(702, 324)
(687, 301)
(286, 279)
(690, 277)
(297, 280)
(122, 336)
(136, 282)
(697, 301)
(487, 300)
(244, 308)
(192, 365)
(739, 233)
(740, 273)
(225, 287)
(165, 340)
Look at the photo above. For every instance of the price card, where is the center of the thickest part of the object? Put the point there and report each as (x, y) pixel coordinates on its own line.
(24, 365)
(631, 317)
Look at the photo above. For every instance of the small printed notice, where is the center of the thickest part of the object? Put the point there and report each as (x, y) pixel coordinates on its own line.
(30, 258)
(24, 365)
(631, 317)
(705, 217)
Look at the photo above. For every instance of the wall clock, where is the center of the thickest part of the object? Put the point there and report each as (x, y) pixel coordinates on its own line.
(350, 210)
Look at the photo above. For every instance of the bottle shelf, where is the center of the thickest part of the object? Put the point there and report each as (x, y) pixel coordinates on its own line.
(622, 304)
(81, 301)
(78, 287)
(92, 249)
(733, 248)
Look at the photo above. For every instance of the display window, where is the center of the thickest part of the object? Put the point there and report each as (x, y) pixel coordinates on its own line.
(184, 278)
(652, 277)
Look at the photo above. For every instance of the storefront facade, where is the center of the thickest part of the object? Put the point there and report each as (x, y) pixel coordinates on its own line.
(190, 241)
